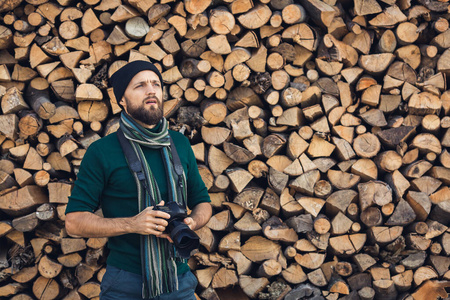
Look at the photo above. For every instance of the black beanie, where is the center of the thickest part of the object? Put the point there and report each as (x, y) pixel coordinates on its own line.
(122, 77)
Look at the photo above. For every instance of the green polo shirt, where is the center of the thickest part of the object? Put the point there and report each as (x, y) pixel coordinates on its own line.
(105, 181)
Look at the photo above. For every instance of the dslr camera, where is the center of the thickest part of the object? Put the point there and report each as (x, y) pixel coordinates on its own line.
(184, 239)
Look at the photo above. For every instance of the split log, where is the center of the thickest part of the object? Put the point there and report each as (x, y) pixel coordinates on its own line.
(39, 98)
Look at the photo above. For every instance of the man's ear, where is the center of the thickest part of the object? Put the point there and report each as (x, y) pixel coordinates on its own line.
(122, 101)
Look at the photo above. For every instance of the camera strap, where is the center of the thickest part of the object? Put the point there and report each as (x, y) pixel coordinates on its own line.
(177, 163)
(136, 166)
(131, 156)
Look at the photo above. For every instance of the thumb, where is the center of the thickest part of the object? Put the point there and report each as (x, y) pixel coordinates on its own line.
(161, 203)
(190, 222)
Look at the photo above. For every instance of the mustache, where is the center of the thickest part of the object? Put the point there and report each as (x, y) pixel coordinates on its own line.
(151, 98)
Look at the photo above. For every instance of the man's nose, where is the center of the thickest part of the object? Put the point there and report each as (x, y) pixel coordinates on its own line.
(150, 89)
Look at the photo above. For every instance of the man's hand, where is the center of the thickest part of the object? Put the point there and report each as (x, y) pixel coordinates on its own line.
(150, 221)
(199, 216)
(190, 222)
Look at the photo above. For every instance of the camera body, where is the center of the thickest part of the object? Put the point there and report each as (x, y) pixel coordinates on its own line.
(176, 211)
(184, 239)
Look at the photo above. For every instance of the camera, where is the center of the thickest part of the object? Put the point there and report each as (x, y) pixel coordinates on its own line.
(184, 239)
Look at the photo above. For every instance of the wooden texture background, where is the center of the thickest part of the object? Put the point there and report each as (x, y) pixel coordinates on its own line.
(321, 129)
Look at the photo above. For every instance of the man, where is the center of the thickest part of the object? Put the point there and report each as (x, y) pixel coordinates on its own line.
(142, 262)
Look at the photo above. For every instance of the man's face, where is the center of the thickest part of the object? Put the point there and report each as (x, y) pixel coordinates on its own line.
(142, 99)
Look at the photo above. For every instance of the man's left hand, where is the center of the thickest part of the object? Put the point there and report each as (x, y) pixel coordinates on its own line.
(190, 222)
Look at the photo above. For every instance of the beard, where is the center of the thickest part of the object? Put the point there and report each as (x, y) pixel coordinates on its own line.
(149, 116)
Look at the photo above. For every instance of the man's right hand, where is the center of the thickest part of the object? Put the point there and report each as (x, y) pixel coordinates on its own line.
(86, 224)
(150, 221)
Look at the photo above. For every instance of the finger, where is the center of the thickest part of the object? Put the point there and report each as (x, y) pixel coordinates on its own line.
(166, 236)
(151, 230)
(189, 222)
(162, 223)
(161, 203)
(159, 214)
(148, 208)
(153, 217)
(157, 230)
(157, 233)
(160, 228)
(149, 211)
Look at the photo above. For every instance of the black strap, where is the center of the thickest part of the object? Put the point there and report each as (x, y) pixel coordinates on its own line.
(136, 166)
(177, 163)
(132, 158)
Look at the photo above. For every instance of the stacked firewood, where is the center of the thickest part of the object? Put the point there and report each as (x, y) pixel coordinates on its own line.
(321, 131)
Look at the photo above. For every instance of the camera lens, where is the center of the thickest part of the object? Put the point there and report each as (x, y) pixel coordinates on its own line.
(184, 239)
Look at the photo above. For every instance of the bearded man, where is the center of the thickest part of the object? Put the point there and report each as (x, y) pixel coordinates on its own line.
(142, 261)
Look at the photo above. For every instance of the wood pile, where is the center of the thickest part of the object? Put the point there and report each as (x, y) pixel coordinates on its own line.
(321, 129)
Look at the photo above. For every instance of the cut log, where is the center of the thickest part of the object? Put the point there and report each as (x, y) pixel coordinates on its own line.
(342, 180)
(384, 235)
(46, 288)
(25, 223)
(366, 145)
(252, 286)
(346, 245)
(385, 288)
(49, 268)
(256, 249)
(275, 230)
(23, 200)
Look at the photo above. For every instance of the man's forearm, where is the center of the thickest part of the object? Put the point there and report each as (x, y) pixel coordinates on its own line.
(87, 224)
(201, 214)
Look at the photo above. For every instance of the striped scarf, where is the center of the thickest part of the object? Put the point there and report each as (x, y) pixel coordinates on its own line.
(158, 255)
